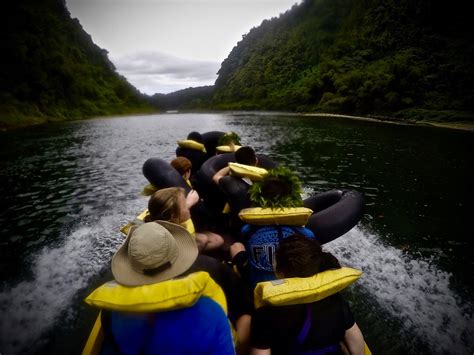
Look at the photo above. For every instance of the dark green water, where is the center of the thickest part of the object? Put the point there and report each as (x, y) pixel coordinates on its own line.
(67, 188)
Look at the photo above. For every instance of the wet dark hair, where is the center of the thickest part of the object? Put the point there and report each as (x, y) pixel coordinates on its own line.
(280, 188)
(274, 187)
(246, 155)
(195, 136)
(299, 256)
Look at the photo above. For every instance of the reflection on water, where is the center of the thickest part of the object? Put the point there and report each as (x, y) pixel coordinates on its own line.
(67, 188)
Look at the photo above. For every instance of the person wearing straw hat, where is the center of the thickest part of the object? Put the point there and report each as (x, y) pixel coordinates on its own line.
(150, 309)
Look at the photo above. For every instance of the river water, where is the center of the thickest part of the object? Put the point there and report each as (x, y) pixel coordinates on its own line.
(66, 189)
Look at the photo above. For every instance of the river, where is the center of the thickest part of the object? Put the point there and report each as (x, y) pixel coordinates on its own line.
(66, 189)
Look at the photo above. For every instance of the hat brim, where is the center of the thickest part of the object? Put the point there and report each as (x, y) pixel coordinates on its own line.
(187, 253)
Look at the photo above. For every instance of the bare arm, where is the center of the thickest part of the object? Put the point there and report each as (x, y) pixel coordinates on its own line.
(221, 173)
(192, 198)
(236, 248)
(243, 333)
(354, 340)
(255, 351)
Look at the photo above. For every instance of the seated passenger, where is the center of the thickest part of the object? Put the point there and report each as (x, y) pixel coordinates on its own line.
(183, 166)
(152, 258)
(236, 188)
(172, 205)
(228, 143)
(255, 255)
(323, 327)
(193, 149)
(245, 155)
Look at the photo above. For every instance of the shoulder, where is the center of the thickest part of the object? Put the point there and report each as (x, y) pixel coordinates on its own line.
(305, 231)
(269, 323)
(206, 263)
(272, 316)
(211, 308)
(263, 234)
(336, 307)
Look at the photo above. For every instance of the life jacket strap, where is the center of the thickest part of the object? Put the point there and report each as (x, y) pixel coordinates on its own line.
(303, 334)
(306, 326)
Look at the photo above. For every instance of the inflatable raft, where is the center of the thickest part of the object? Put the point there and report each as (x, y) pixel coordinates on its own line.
(328, 215)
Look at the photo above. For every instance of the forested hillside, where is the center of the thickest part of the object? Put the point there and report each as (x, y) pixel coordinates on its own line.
(405, 58)
(53, 71)
(190, 98)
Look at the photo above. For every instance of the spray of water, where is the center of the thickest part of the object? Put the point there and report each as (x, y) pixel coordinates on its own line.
(412, 290)
(31, 308)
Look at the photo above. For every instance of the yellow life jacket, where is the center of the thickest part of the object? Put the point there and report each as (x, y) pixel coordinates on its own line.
(290, 216)
(188, 182)
(140, 218)
(226, 208)
(189, 226)
(303, 290)
(227, 148)
(163, 296)
(253, 173)
(149, 190)
(300, 290)
(191, 144)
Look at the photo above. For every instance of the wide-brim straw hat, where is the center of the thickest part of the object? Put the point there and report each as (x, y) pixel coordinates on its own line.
(154, 252)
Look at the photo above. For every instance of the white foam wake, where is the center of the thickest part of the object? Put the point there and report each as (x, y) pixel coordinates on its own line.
(30, 308)
(412, 290)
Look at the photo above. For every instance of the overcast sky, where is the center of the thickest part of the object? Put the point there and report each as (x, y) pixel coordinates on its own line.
(168, 45)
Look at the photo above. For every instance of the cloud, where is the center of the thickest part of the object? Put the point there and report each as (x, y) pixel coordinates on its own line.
(156, 72)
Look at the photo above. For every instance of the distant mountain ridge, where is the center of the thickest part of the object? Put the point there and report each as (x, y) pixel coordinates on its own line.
(190, 98)
(52, 70)
(384, 57)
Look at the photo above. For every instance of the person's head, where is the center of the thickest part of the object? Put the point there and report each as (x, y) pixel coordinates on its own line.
(183, 166)
(229, 138)
(168, 205)
(299, 256)
(246, 155)
(195, 136)
(280, 188)
(154, 252)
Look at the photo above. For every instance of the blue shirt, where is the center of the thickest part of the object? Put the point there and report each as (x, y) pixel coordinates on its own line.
(200, 329)
(261, 244)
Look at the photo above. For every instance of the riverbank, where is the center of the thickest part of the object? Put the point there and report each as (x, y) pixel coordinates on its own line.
(458, 125)
(464, 126)
(9, 122)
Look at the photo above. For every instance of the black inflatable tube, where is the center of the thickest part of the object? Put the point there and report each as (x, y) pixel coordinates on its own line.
(207, 189)
(217, 162)
(212, 166)
(161, 174)
(211, 140)
(336, 212)
(197, 158)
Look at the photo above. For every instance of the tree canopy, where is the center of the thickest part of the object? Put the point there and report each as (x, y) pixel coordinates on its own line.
(52, 70)
(411, 59)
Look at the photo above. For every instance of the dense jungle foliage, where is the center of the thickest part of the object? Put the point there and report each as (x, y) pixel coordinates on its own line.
(402, 58)
(53, 71)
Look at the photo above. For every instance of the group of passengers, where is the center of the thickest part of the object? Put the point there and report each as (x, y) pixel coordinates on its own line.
(206, 305)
